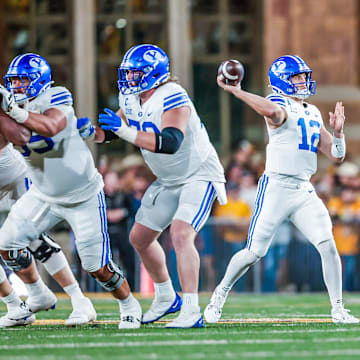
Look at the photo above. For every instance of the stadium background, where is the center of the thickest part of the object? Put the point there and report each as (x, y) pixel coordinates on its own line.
(84, 41)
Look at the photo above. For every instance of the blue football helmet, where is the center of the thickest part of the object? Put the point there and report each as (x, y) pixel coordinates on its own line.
(143, 67)
(281, 71)
(32, 67)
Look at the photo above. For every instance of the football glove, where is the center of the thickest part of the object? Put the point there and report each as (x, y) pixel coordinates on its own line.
(85, 128)
(113, 122)
(10, 107)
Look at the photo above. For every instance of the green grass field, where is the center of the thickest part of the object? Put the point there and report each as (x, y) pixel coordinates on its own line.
(255, 327)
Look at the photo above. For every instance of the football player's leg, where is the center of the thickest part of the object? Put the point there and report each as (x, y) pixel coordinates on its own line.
(27, 219)
(269, 212)
(88, 221)
(313, 220)
(194, 206)
(47, 251)
(155, 214)
(13, 304)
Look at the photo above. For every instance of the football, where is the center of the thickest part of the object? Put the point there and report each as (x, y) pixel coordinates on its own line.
(231, 72)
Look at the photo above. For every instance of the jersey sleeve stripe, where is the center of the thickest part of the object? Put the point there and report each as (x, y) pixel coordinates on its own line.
(60, 94)
(277, 100)
(63, 100)
(174, 100)
(176, 94)
(176, 105)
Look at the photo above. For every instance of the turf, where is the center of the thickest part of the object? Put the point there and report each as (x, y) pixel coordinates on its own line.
(254, 327)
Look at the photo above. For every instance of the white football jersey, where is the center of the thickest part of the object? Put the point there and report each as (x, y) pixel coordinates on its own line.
(12, 166)
(196, 159)
(292, 148)
(63, 169)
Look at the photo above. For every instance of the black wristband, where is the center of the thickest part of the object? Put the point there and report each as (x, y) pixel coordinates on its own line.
(110, 135)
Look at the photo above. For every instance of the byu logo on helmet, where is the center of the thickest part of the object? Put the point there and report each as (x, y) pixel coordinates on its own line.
(31, 67)
(278, 67)
(144, 67)
(283, 69)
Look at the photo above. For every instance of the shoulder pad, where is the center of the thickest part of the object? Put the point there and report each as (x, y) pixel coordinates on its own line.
(278, 99)
(59, 95)
(174, 96)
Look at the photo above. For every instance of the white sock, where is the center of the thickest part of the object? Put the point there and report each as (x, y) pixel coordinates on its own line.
(128, 304)
(331, 267)
(36, 288)
(237, 267)
(12, 300)
(164, 291)
(190, 299)
(74, 292)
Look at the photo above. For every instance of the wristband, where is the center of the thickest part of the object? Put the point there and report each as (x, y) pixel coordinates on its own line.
(18, 114)
(338, 147)
(127, 133)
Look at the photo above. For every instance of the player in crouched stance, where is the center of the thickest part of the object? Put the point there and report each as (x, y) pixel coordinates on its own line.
(66, 186)
(296, 133)
(175, 144)
(15, 181)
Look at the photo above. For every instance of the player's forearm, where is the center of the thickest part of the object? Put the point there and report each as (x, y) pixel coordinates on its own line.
(45, 125)
(99, 134)
(146, 140)
(261, 105)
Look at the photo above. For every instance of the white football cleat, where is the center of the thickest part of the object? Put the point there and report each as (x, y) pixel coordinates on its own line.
(341, 316)
(21, 312)
(213, 310)
(189, 317)
(158, 309)
(131, 318)
(82, 314)
(44, 301)
(7, 321)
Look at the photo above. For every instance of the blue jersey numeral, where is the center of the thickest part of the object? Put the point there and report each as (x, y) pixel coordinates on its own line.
(144, 126)
(314, 138)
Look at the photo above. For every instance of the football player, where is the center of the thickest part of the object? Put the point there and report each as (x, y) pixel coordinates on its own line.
(14, 181)
(296, 133)
(156, 114)
(66, 185)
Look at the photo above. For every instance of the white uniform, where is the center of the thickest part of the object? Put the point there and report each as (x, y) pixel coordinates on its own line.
(187, 181)
(66, 186)
(14, 179)
(284, 191)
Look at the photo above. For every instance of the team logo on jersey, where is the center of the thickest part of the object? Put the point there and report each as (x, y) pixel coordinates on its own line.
(278, 67)
(140, 114)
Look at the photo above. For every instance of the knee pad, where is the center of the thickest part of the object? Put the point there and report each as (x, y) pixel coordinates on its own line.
(115, 281)
(44, 248)
(18, 259)
(327, 248)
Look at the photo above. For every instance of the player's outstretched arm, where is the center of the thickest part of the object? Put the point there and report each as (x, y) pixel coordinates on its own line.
(334, 146)
(274, 113)
(174, 123)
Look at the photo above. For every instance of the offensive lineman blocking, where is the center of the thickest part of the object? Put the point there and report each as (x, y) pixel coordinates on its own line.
(296, 132)
(66, 184)
(174, 143)
(14, 181)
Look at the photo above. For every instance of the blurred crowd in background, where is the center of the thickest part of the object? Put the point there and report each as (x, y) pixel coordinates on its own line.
(291, 264)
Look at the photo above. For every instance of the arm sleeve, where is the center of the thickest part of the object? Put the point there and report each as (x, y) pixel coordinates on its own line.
(169, 140)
